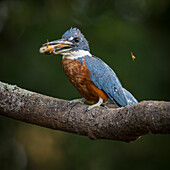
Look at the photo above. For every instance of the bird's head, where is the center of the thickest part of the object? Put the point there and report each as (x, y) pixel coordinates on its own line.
(72, 41)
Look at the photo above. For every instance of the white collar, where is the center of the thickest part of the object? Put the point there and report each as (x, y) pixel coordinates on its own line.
(76, 54)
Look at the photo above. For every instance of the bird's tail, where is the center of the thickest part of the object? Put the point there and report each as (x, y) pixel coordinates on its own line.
(130, 98)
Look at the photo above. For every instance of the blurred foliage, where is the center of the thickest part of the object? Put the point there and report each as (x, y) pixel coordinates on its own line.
(113, 29)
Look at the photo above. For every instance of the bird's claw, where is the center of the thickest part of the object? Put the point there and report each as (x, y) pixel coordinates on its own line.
(92, 106)
(77, 101)
(95, 105)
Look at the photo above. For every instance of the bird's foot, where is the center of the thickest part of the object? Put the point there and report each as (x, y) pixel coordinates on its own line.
(96, 105)
(82, 100)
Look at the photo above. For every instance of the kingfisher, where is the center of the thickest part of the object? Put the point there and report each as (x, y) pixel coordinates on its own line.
(96, 82)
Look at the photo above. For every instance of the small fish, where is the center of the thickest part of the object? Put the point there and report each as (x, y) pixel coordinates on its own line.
(133, 57)
(47, 48)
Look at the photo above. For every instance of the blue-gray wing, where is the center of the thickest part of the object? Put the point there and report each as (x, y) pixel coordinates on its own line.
(105, 79)
(130, 98)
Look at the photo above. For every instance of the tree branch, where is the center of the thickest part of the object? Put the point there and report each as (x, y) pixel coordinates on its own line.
(123, 124)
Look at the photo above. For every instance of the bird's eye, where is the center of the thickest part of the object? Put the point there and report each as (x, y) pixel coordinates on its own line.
(76, 39)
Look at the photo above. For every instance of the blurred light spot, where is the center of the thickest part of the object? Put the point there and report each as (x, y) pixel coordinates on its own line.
(40, 145)
(130, 9)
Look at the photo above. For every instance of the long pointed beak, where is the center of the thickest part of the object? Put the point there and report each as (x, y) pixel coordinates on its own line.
(57, 47)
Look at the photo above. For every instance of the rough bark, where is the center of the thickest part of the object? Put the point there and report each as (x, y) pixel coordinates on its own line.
(123, 124)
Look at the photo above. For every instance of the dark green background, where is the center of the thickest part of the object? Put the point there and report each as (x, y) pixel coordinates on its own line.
(113, 29)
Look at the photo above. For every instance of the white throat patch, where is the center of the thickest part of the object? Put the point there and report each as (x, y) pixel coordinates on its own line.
(76, 54)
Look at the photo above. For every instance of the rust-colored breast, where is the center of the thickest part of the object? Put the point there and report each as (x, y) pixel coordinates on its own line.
(79, 76)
